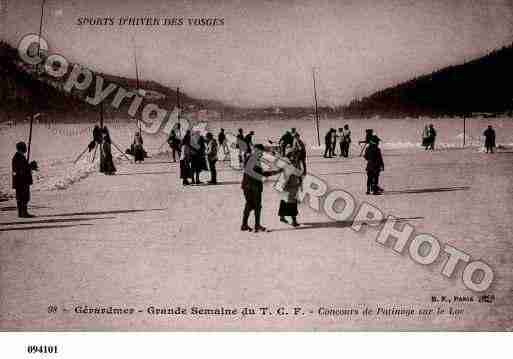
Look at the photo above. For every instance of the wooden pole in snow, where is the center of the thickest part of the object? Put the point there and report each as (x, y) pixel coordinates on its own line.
(316, 110)
(37, 74)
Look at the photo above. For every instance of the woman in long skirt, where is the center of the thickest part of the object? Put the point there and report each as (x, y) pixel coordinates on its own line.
(198, 157)
(138, 150)
(185, 159)
(106, 161)
(291, 187)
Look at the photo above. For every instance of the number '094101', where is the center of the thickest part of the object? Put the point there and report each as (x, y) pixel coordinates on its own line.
(42, 349)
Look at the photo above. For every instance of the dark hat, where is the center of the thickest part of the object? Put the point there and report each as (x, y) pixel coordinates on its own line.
(21, 146)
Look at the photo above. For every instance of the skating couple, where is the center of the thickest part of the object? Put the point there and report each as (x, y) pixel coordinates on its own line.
(194, 153)
(252, 187)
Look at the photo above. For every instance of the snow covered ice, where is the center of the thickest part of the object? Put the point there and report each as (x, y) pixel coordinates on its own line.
(143, 237)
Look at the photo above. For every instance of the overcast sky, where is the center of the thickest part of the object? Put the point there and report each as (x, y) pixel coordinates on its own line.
(265, 51)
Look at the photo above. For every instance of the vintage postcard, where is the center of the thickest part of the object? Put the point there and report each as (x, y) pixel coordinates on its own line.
(256, 165)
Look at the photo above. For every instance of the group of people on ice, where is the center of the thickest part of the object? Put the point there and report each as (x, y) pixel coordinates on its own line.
(197, 153)
(342, 137)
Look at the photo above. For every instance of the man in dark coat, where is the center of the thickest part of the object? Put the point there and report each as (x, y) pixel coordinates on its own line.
(252, 187)
(327, 144)
(212, 150)
(198, 159)
(375, 165)
(22, 179)
(174, 143)
(221, 141)
(431, 137)
(489, 135)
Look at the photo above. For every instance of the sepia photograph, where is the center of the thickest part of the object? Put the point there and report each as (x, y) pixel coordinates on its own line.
(256, 166)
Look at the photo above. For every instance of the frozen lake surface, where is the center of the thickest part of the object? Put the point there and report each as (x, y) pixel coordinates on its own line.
(140, 239)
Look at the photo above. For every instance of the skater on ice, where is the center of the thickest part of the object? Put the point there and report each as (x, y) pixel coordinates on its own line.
(106, 160)
(22, 179)
(369, 134)
(300, 147)
(252, 188)
(174, 142)
(489, 135)
(333, 142)
(185, 159)
(340, 138)
(375, 165)
(291, 184)
(425, 137)
(431, 139)
(212, 157)
(137, 148)
(198, 156)
(345, 141)
(221, 139)
(328, 144)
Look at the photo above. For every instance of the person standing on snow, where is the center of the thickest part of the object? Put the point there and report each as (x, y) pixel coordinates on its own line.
(212, 157)
(375, 165)
(431, 137)
(489, 135)
(327, 144)
(346, 141)
(22, 179)
(291, 185)
(252, 188)
(221, 141)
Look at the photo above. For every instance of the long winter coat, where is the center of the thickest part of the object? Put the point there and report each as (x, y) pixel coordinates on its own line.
(374, 159)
